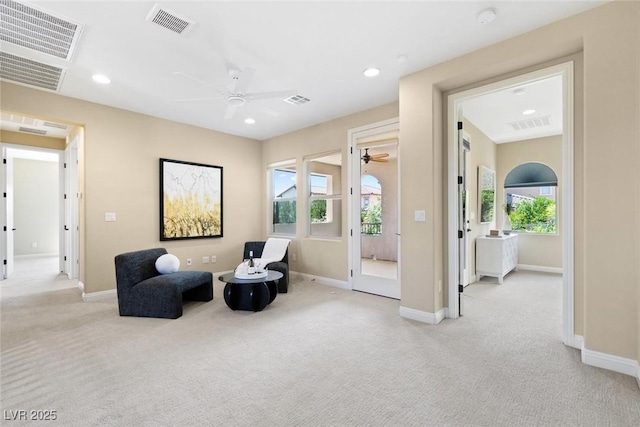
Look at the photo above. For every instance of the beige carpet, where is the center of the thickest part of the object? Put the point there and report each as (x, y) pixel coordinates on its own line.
(318, 356)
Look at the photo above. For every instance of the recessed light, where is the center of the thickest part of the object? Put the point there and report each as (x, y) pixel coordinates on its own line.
(249, 121)
(371, 72)
(101, 78)
(527, 112)
(487, 15)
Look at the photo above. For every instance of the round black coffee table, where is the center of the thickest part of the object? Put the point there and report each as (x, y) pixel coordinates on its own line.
(250, 294)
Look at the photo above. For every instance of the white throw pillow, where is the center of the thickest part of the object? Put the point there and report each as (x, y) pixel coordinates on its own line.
(167, 263)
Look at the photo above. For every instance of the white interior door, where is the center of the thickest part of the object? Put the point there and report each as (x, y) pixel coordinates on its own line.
(466, 209)
(71, 209)
(375, 207)
(7, 213)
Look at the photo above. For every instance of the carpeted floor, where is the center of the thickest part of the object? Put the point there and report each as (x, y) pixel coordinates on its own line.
(317, 356)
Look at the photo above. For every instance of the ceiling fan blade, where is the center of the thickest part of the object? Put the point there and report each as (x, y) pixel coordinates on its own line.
(380, 156)
(268, 95)
(195, 79)
(374, 159)
(221, 96)
(242, 80)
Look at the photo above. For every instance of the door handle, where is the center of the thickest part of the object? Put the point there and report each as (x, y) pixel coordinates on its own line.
(13, 229)
(468, 230)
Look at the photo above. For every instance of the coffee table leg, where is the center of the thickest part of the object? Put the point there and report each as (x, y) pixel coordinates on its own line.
(254, 297)
(273, 290)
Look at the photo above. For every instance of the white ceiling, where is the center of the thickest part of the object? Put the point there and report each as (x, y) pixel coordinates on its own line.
(319, 49)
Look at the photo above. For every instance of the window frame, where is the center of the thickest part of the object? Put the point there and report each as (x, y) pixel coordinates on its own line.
(330, 198)
(285, 166)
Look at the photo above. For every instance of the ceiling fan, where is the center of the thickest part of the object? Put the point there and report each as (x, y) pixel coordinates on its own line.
(235, 95)
(374, 157)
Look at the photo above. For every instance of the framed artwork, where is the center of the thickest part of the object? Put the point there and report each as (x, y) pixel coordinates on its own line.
(486, 194)
(190, 200)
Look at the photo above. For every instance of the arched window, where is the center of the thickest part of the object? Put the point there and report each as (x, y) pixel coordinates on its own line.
(530, 198)
(370, 206)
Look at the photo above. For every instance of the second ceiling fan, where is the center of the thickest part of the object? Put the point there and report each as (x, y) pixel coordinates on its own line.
(366, 157)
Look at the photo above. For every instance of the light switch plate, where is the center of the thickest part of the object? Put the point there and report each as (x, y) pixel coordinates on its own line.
(109, 216)
(420, 216)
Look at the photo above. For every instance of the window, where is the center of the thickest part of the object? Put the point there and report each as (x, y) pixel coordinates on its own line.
(325, 196)
(545, 191)
(283, 199)
(530, 194)
(370, 206)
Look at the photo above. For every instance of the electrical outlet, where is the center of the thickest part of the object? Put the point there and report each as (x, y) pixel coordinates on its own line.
(213, 258)
(189, 261)
(294, 258)
(34, 244)
(205, 260)
(440, 285)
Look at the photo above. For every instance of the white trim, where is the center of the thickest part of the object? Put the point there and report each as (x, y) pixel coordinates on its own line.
(377, 286)
(638, 373)
(541, 268)
(610, 362)
(422, 316)
(96, 296)
(81, 286)
(577, 342)
(566, 70)
(322, 280)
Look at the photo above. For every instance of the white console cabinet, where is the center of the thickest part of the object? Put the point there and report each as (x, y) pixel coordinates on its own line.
(496, 256)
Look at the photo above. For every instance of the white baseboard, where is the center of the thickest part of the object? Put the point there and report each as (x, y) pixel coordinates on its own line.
(541, 268)
(611, 362)
(96, 296)
(81, 285)
(577, 342)
(422, 316)
(323, 280)
(638, 373)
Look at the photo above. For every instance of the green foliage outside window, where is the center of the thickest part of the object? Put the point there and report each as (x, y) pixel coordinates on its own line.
(318, 211)
(284, 212)
(537, 216)
(371, 219)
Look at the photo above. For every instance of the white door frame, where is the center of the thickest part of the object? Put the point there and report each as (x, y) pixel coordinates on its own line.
(6, 244)
(378, 128)
(565, 70)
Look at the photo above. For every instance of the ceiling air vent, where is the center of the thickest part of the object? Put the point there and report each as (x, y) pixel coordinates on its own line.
(170, 20)
(32, 73)
(32, 130)
(36, 30)
(55, 125)
(531, 123)
(297, 100)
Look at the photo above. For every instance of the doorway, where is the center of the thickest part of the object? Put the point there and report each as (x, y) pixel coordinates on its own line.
(374, 249)
(36, 238)
(456, 244)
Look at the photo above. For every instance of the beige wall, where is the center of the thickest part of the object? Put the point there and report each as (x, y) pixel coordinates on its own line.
(325, 258)
(540, 250)
(483, 153)
(120, 173)
(607, 98)
(31, 140)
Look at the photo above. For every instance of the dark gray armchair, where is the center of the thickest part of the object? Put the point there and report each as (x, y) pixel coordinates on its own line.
(144, 292)
(281, 266)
